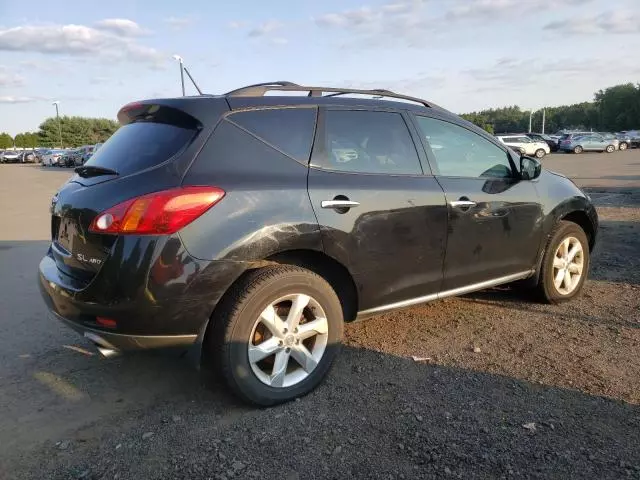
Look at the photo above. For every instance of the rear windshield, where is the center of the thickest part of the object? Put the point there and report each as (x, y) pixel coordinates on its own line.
(140, 145)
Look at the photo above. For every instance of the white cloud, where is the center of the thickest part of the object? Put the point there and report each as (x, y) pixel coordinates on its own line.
(265, 29)
(487, 8)
(237, 24)
(11, 99)
(411, 21)
(618, 22)
(178, 23)
(99, 79)
(9, 78)
(120, 26)
(77, 40)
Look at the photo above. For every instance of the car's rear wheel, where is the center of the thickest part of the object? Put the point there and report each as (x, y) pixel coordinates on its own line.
(610, 148)
(623, 146)
(540, 153)
(577, 149)
(276, 333)
(565, 264)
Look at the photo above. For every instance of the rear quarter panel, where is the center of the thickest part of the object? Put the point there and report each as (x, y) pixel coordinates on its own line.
(266, 208)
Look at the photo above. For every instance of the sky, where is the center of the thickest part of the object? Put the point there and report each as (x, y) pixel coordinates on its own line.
(464, 55)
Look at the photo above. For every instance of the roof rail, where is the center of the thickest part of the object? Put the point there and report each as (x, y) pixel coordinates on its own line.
(259, 89)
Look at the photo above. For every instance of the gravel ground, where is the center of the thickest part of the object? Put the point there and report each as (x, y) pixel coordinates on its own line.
(490, 385)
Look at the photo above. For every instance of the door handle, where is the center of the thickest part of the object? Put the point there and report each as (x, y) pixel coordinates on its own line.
(338, 204)
(463, 203)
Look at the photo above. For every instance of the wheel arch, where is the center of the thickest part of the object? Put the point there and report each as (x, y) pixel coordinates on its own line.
(334, 272)
(580, 218)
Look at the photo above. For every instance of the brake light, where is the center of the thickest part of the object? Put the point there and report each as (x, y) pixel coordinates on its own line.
(159, 213)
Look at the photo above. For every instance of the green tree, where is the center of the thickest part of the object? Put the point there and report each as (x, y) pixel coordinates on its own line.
(26, 140)
(76, 131)
(5, 140)
(614, 109)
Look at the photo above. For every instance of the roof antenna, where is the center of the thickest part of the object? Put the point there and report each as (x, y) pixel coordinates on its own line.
(184, 69)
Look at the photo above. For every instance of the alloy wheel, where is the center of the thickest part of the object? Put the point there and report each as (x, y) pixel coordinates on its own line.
(568, 265)
(288, 340)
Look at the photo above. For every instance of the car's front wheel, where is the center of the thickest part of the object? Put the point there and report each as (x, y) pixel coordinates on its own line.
(577, 149)
(623, 146)
(565, 264)
(276, 333)
(540, 153)
(610, 148)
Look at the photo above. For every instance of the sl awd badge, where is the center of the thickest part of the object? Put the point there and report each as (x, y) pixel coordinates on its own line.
(91, 261)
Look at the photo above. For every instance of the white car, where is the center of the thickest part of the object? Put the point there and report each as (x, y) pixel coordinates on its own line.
(525, 145)
(51, 157)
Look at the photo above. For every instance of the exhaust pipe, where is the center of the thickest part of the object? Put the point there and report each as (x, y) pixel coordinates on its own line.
(105, 348)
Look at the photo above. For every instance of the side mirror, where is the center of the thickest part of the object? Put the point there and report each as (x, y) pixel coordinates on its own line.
(530, 168)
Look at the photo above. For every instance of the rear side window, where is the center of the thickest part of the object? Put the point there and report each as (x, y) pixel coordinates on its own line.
(290, 130)
(361, 141)
(149, 140)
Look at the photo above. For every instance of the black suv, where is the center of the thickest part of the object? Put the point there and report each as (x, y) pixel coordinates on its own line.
(248, 227)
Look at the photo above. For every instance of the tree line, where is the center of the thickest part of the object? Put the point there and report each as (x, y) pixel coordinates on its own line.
(69, 132)
(613, 109)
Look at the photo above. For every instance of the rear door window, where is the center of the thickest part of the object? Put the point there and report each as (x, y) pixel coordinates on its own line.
(289, 130)
(360, 141)
(147, 141)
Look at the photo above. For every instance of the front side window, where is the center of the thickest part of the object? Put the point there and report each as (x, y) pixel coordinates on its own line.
(459, 152)
(361, 141)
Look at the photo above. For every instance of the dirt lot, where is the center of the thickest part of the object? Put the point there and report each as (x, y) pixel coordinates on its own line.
(553, 392)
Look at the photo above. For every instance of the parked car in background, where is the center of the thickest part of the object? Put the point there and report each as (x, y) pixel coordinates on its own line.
(611, 137)
(566, 138)
(631, 137)
(525, 145)
(592, 142)
(85, 153)
(169, 236)
(11, 156)
(70, 158)
(625, 140)
(541, 137)
(27, 156)
(50, 157)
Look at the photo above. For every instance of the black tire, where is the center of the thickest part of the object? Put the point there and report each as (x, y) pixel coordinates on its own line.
(234, 320)
(578, 149)
(546, 287)
(610, 149)
(623, 146)
(540, 153)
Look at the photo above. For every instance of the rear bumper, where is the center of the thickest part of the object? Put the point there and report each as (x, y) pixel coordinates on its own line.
(157, 295)
(117, 342)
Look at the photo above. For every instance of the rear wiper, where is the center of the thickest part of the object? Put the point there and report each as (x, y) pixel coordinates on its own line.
(87, 171)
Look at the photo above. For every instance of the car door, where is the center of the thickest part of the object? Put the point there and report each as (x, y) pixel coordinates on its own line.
(495, 218)
(380, 215)
(598, 142)
(586, 142)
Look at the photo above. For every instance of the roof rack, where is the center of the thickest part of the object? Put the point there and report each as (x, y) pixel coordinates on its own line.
(259, 89)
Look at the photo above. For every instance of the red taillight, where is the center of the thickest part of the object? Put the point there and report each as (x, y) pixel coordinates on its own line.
(158, 213)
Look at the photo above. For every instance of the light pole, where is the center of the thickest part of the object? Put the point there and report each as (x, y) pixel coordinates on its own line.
(56, 103)
(179, 59)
